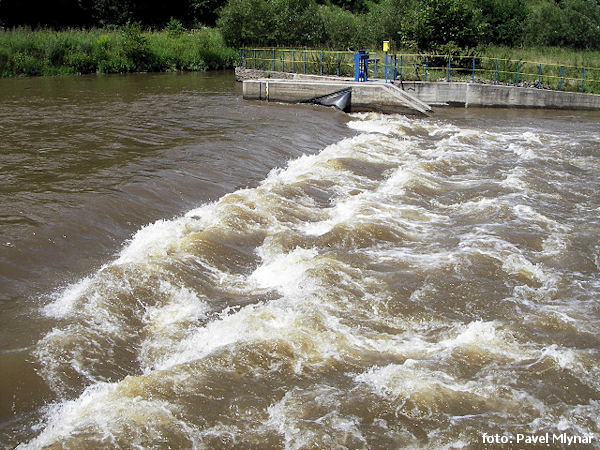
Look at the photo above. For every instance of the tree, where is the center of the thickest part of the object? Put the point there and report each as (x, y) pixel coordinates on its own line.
(438, 23)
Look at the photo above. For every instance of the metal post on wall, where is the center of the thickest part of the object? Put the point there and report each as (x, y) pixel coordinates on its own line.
(321, 63)
(539, 76)
(283, 60)
(337, 69)
(495, 71)
(518, 73)
(562, 77)
(273, 60)
(304, 63)
(426, 67)
(254, 59)
(583, 80)
(375, 67)
(293, 61)
(449, 64)
(473, 72)
(264, 52)
(401, 67)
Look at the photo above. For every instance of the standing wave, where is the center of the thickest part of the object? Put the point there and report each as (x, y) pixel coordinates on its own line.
(418, 285)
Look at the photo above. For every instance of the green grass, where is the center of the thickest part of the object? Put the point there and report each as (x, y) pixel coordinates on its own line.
(24, 52)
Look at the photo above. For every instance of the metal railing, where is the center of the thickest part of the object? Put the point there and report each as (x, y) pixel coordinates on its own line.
(427, 67)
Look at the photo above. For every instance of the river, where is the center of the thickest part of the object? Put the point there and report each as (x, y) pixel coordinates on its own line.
(179, 267)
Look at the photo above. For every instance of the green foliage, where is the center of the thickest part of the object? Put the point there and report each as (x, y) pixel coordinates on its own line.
(135, 48)
(385, 20)
(570, 23)
(342, 28)
(271, 22)
(174, 27)
(45, 52)
(504, 20)
(246, 22)
(441, 22)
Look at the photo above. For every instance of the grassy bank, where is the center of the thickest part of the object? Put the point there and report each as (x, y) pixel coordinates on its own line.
(24, 52)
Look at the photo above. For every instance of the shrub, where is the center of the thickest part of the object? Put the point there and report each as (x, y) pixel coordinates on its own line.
(505, 20)
(271, 22)
(441, 22)
(174, 27)
(135, 48)
(342, 28)
(25, 64)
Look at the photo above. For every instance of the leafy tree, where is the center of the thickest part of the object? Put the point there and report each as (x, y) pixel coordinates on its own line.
(246, 22)
(342, 28)
(569, 23)
(271, 22)
(505, 20)
(437, 23)
(384, 21)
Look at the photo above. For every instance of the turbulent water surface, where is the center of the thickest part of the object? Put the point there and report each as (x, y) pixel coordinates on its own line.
(392, 282)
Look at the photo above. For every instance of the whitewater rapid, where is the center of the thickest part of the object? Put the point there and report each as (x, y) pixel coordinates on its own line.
(416, 285)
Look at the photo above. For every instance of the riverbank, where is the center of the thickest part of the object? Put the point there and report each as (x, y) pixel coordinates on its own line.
(24, 52)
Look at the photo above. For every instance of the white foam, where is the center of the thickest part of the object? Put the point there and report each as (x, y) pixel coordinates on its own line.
(109, 411)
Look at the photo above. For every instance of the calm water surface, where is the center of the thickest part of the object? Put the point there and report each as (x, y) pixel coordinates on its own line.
(392, 282)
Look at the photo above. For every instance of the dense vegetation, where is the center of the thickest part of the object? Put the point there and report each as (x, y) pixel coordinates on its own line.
(425, 25)
(48, 52)
(153, 35)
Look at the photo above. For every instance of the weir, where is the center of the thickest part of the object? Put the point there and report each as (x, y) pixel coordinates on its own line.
(365, 96)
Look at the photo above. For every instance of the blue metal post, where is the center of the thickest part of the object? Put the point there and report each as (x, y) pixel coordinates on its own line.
(283, 60)
(385, 68)
(449, 63)
(583, 80)
(273, 60)
(518, 72)
(540, 76)
(473, 72)
(264, 58)
(395, 67)
(337, 69)
(426, 67)
(562, 77)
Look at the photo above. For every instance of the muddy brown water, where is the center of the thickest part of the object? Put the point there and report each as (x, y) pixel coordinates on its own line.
(179, 267)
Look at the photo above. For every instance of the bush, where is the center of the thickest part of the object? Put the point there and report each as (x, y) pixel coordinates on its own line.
(271, 22)
(342, 28)
(385, 21)
(174, 28)
(25, 64)
(505, 21)
(246, 22)
(442, 22)
(135, 48)
(570, 23)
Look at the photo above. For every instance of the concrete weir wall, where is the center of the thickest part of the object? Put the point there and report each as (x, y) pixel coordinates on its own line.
(365, 96)
(372, 96)
(489, 95)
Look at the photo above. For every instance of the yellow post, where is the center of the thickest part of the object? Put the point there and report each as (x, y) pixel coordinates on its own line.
(386, 49)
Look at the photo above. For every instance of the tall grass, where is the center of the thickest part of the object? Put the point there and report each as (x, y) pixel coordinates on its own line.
(24, 52)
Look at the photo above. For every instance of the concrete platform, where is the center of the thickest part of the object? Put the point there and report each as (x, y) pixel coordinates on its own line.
(369, 96)
(413, 97)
